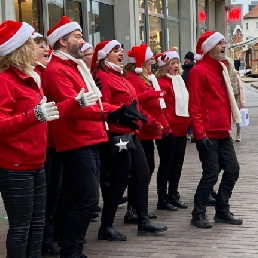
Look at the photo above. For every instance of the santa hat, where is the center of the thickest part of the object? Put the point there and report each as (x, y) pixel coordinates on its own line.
(36, 35)
(64, 27)
(141, 54)
(102, 49)
(86, 46)
(13, 35)
(163, 58)
(206, 42)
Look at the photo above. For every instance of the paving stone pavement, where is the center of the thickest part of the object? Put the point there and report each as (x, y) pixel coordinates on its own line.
(183, 240)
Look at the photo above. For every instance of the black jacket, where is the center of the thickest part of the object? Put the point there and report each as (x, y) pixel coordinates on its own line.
(187, 68)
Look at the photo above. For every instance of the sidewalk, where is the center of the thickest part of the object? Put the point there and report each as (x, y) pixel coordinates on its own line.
(183, 240)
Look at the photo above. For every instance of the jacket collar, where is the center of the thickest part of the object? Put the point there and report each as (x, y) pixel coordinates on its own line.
(215, 64)
(64, 62)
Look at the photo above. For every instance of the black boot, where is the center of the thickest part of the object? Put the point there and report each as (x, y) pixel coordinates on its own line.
(163, 204)
(107, 232)
(200, 221)
(131, 216)
(174, 199)
(211, 201)
(145, 227)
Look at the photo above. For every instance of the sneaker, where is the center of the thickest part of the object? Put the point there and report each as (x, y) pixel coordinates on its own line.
(50, 250)
(228, 218)
(238, 137)
(200, 221)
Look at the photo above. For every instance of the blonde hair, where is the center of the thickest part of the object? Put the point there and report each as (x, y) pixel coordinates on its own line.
(131, 68)
(21, 58)
(163, 70)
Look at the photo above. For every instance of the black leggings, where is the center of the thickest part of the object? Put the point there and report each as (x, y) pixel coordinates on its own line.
(24, 196)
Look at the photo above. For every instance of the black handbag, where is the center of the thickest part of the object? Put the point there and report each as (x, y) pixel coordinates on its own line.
(120, 143)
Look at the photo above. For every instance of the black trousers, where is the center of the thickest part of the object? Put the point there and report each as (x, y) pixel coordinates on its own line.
(222, 154)
(81, 192)
(126, 165)
(24, 196)
(148, 147)
(171, 154)
(53, 168)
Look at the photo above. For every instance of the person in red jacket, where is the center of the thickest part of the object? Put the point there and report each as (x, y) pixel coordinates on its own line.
(211, 106)
(150, 96)
(123, 155)
(171, 148)
(77, 137)
(23, 130)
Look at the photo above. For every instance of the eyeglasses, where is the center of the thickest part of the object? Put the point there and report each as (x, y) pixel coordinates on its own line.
(90, 54)
(222, 42)
(43, 46)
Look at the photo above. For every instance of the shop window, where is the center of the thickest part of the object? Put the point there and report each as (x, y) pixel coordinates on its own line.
(29, 11)
(201, 15)
(74, 10)
(99, 28)
(142, 27)
(141, 3)
(156, 35)
(56, 11)
(212, 15)
(172, 8)
(173, 34)
(155, 6)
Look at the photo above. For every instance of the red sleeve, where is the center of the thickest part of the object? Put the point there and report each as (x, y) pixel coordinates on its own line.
(164, 122)
(61, 89)
(195, 100)
(11, 125)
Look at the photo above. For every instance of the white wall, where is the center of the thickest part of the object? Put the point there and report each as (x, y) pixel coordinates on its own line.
(252, 30)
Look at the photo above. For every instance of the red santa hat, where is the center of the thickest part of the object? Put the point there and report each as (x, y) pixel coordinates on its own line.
(102, 49)
(13, 35)
(64, 27)
(86, 46)
(163, 58)
(36, 35)
(141, 54)
(207, 42)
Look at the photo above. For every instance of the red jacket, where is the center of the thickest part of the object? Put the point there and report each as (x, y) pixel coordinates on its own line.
(209, 105)
(23, 137)
(151, 105)
(178, 124)
(116, 91)
(85, 127)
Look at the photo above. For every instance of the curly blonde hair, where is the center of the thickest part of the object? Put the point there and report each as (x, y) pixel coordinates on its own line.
(22, 58)
(163, 70)
(144, 75)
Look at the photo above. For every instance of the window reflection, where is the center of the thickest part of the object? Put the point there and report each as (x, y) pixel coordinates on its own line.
(141, 3)
(142, 27)
(173, 34)
(74, 11)
(56, 11)
(155, 25)
(202, 16)
(99, 28)
(29, 11)
(155, 6)
(172, 8)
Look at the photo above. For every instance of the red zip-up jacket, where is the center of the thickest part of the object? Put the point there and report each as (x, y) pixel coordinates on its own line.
(85, 127)
(209, 105)
(178, 124)
(151, 105)
(23, 137)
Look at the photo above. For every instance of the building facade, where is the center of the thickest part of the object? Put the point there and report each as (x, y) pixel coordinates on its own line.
(160, 23)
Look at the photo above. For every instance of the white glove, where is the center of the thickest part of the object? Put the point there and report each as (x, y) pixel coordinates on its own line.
(86, 99)
(46, 111)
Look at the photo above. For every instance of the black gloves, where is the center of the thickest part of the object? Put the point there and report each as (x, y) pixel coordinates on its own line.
(132, 110)
(121, 117)
(168, 137)
(97, 81)
(204, 144)
(127, 115)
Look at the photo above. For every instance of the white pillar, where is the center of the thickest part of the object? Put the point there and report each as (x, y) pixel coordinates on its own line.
(9, 10)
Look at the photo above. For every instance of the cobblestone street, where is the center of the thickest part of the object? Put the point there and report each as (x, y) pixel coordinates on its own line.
(183, 240)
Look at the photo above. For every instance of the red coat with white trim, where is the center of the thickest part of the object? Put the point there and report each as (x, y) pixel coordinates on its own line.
(85, 127)
(209, 105)
(178, 124)
(23, 137)
(151, 105)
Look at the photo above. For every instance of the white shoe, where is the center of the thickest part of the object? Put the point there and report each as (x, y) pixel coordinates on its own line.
(238, 137)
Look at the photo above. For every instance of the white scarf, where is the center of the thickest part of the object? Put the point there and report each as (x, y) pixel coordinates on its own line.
(33, 75)
(115, 67)
(85, 73)
(152, 78)
(234, 108)
(181, 95)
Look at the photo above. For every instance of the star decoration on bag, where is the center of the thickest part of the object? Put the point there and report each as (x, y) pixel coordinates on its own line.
(122, 145)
